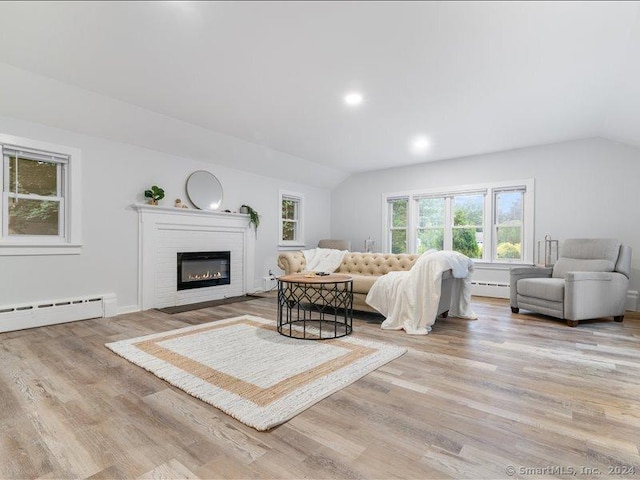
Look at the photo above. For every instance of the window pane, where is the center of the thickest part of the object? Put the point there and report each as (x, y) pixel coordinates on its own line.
(468, 210)
(430, 238)
(468, 241)
(33, 217)
(399, 212)
(509, 243)
(430, 212)
(289, 208)
(509, 225)
(398, 241)
(38, 178)
(288, 230)
(509, 207)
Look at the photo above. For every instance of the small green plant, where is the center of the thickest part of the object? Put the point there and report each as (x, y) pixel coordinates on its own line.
(254, 218)
(155, 193)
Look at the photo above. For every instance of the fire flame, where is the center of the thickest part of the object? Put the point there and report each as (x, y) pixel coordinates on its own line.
(205, 276)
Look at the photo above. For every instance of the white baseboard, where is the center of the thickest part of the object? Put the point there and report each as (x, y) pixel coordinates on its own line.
(632, 301)
(128, 309)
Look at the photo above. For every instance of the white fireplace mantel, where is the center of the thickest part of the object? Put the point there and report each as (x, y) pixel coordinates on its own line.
(165, 231)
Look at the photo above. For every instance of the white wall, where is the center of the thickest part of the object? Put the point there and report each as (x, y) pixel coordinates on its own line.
(114, 175)
(586, 188)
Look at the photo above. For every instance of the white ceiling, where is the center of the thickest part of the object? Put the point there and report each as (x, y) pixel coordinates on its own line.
(474, 77)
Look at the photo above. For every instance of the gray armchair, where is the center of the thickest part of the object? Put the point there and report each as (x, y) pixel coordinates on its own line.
(589, 280)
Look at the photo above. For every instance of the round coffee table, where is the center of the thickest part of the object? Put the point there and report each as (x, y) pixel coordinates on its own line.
(315, 308)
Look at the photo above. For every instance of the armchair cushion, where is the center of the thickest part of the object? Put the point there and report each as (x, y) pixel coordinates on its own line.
(587, 255)
(520, 273)
(565, 265)
(551, 289)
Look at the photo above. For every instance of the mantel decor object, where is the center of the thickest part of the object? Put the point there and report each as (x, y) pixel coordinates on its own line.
(369, 245)
(154, 194)
(254, 217)
(550, 251)
(204, 190)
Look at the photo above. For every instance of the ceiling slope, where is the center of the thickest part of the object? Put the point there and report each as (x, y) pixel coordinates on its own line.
(475, 77)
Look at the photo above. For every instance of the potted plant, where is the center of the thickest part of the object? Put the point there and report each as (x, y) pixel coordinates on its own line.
(154, 194)
(254, 218)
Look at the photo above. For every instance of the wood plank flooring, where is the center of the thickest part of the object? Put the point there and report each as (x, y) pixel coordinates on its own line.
(470, 400)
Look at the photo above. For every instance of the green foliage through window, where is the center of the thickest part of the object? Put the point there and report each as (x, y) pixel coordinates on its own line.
(34, 205)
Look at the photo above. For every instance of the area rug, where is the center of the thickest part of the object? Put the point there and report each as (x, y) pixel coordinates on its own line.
(244, 367)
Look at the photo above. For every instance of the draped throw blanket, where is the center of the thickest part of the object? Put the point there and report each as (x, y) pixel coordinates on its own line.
(323, 259)
(409, 299)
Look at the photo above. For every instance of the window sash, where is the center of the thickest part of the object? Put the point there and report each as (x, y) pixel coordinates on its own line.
(295, 230)
(296, 207)
(61, 162)
(37, 155)
(297, 223)
(390, 203)
(497, 225)
(294, 221)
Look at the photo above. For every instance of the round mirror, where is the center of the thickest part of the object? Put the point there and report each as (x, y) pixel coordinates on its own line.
(204, 190)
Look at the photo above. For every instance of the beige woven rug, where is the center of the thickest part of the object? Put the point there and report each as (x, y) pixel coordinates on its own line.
(244, 367)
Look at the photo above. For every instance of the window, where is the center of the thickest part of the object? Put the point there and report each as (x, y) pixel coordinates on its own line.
(34, 189)
(291, 219)
(468, 221)
(431, 216)
(491, 223)
(398, 215)
(39, 209)
(508, 224)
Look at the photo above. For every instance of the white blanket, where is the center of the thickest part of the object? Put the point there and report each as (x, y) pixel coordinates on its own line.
(323, 259)
(410, 299)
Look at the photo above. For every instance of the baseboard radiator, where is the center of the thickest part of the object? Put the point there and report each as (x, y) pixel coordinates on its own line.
(38, 314)
(490, 289)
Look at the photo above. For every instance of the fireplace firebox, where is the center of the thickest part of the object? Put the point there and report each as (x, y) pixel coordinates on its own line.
(203, 269)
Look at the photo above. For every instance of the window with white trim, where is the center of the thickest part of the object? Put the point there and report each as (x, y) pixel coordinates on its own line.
(398, 224)
(490, 223)
(508, 224)
(36, 208)
(291, 219)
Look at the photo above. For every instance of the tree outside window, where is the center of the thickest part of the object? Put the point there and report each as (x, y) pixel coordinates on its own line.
(468, 218)
(430, 233)
(289, 219)
(487, 222)
(399, 223)
(509, 215)
(34, 195)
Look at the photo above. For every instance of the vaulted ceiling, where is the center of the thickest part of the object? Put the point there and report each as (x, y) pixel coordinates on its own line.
(472, 77)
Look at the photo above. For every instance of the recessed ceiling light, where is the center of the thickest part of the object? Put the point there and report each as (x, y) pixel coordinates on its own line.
(353, 99)
(420, 145)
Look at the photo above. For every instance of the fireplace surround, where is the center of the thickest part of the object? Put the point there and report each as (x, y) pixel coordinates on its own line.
(166, 231)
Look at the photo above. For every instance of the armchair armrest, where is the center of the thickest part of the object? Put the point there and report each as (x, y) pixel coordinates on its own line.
(292, 262)
(519, 273)
(586, 276)
(594, 294)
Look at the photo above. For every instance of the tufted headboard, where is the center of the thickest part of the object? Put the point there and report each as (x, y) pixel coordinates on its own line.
(353, 262)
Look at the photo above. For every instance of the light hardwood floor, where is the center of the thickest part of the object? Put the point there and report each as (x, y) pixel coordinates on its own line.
(469, 400)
